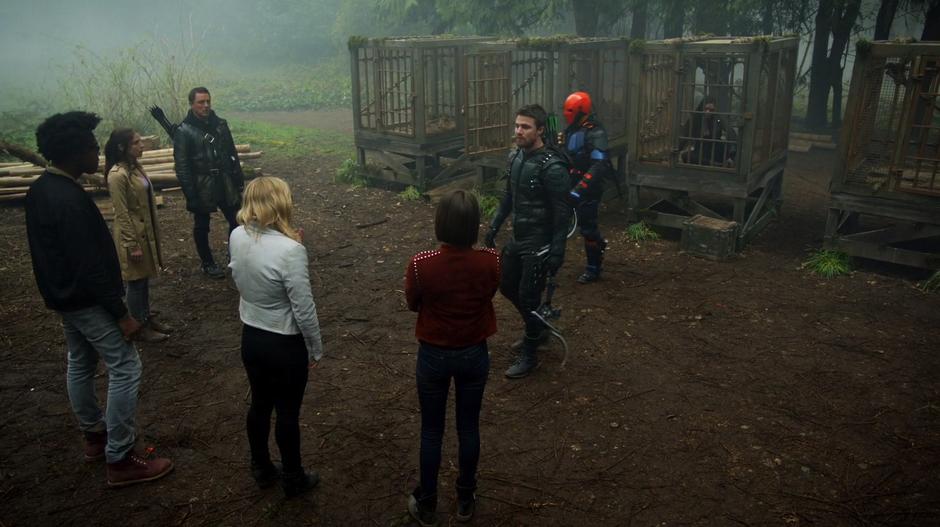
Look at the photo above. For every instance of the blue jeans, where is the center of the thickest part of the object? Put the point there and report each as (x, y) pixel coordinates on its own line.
(469, 368)
(91, 333)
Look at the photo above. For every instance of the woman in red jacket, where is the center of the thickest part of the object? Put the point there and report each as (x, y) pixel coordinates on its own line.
(452, 290)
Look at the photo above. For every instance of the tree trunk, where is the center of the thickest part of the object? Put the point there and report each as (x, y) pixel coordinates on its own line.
(932, 22)
(885, 18)
(675, 17)
(819, 79)
(767, 17)
(585, 17)
(638, 24)
(841, 32)
(711, 18)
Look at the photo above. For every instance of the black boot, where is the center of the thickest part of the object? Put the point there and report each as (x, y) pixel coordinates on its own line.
(265, 474)
(526, 361)
(466, 503)
(423, 509)
(297, 482)
(594, 250)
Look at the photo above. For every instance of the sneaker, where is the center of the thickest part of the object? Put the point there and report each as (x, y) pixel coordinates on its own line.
(588, 276)
(95, 442)
(525, 363)
(150, 335)
(158, 326)
(425, 516)
(265, 475)
(136, 469)
(213, 271)
(296, 483)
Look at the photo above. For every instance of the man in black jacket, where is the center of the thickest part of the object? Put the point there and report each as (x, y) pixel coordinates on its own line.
(537, 196)
(209, 172)
(78, 274)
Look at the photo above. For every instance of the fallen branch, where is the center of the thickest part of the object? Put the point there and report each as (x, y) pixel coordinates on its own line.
(373, 224)
(23, 153)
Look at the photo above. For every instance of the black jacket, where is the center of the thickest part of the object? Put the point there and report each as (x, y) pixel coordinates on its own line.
(73, 254)
(537, 196)
(207, 164)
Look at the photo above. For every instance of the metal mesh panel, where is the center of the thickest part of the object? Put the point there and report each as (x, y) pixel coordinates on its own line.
(533, 75)
(656, 107)
(440, 89)
(918, 169)
(764, 116)
(395, 90)
(487, 99)
(365, 61)
(708, 138)
(783, 102)
(879, 112)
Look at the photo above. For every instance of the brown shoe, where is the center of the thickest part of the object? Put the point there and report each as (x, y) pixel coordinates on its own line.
(94, 445)
(158, 326)
(150, 335)
(135, 469)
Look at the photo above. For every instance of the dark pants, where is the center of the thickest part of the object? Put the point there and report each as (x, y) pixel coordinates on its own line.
(594, 243)
(435, 368)
(522, 283)
(201, 232)
(138, 299)
(277, 372)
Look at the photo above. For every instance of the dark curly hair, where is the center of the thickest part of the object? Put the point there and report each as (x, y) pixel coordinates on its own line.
(66, 135)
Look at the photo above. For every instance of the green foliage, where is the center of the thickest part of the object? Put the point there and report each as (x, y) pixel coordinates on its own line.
(286, 87)
(828, 264)
(409, 194)
(351, 173)
(488, 204)
(291, 141)
(932, 284)
(640, 232)
(19, 128)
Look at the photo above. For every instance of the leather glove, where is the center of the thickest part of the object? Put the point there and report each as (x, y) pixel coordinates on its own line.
(553, 264)
(489, 240)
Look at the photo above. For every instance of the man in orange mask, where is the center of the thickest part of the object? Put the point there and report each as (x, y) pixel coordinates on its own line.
(586, 144)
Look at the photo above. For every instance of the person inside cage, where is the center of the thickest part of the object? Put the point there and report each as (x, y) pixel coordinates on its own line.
(706, 140)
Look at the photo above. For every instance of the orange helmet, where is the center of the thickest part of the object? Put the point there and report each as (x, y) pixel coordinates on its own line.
(577, 106)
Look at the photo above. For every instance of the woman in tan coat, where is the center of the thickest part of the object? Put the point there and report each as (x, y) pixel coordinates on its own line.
(136, 234)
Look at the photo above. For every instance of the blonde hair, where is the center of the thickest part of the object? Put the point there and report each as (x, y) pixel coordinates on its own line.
(267, 203)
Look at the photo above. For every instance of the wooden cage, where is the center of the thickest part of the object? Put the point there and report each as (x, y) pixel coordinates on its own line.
(504, 75)
(408, 107)
(707, 129)
(885, 191)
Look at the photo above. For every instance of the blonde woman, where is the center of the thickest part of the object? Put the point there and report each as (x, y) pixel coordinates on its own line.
(280, 335)
(136, 233)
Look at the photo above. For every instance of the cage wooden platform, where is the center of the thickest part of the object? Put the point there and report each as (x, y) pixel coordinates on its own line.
(707, 129)
(504, 75)
(885, 190)
(408, 106)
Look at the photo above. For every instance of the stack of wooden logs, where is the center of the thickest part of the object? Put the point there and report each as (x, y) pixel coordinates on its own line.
(15, 178)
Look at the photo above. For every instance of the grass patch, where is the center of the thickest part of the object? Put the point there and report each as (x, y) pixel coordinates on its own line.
(409, 194)
(286, 87)
(932, 284)
(489, 204)
(291, 141)
(640, 232)
(350, 173)
(828, 264)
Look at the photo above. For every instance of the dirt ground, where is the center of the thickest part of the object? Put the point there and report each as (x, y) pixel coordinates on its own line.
(747, 392)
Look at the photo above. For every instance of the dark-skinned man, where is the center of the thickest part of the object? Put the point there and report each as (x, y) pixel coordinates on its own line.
(79, 277)
(536, 196)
